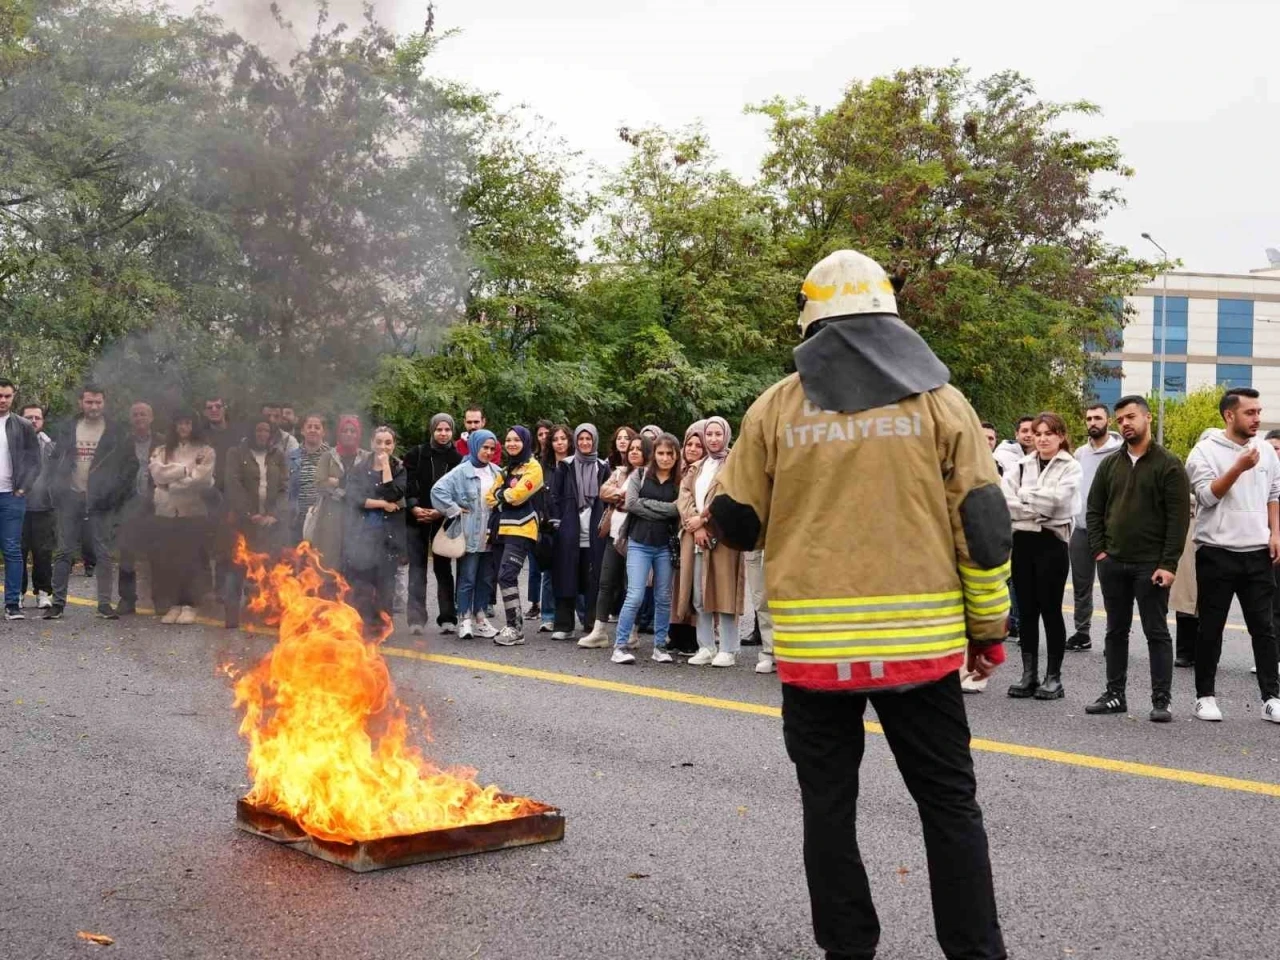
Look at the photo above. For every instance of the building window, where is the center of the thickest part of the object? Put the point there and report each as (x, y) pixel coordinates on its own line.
(1235, 328)
(1106, 389)
(1235, 375)
(1175, 378)
(1175, 314)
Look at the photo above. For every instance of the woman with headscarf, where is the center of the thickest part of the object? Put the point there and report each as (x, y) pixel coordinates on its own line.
(423, 466)
(576, 509)
(559, 447)
(711, 573)
(541, 451)
(256, 484)
(516, 497)
(613, 567)
(463, 496)
(683, 633)
(374, 541)
(652, 431)
(331, 488)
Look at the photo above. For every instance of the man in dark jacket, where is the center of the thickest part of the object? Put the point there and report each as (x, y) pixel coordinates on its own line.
(424, 465)
(19, 468)
(38, 534)
(94, 472)
(1137, 516)
(133, 526)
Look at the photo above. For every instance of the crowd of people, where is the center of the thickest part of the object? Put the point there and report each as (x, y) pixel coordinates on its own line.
(618, 532)
(1154, 532)
(610, 532)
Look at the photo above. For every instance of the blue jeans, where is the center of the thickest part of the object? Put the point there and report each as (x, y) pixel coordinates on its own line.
(641, 558)
(12, 510)
(548, 600)
(474, 585)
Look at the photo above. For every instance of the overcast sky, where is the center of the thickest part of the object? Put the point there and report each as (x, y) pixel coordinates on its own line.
(1192, 90)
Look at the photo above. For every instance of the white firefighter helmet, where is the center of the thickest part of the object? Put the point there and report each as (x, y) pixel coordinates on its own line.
(844, 284)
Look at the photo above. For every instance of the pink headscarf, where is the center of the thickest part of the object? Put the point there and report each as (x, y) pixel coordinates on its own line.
(728, 437)
(344, 451)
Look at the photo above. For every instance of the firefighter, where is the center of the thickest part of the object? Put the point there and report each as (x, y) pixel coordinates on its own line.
(866, 479)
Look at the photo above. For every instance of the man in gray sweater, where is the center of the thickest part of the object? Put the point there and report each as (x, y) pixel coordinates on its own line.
(1236, 480)
(1102, 443)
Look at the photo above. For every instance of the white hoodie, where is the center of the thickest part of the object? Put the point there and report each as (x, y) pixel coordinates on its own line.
(1043, 500)
(1238, 521)
(1089, 460)
(1008, 455)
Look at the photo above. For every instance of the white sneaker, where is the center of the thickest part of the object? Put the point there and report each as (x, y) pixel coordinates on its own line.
(596, 639)
(186, 615)
(43, 601)
(661, 656)
(968, 683)
(1271, 710)
(448, 628)
(466, 633)
(485, 629)
(509, 637)
(724, 659)
(702, 657)
(621, 656)
(562, 635)
(765, 664)
(415, 629)
(171, 616)
(545, 626)
(1207, 708)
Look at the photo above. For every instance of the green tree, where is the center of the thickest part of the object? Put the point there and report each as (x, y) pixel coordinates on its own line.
(1186, 417)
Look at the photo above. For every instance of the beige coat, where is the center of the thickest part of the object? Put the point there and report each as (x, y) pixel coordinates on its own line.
(1183, 595)
(331, 508)
(183, 479)
(722, 573)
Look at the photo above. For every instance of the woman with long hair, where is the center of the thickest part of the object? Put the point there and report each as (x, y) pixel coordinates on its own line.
(374, 541)
(576, 509)
(515, 497)
(652, 520)
(332, 473)
(711, 573)
(683, 634)
(182, 469)
(423, 466)
(303, 489)
(464, 493)
(1042, 491)
(620, 446)
(613, 567)
(256, 483)
(541, 451)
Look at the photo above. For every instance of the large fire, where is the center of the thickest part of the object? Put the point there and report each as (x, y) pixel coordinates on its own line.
(328, 741)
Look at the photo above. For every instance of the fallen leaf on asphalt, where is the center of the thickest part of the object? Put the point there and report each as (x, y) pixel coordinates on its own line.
(902, 874)
(99, 938)
(637, 876)
(742, 811)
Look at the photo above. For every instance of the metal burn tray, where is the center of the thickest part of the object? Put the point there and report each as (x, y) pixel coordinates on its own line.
(543, 826)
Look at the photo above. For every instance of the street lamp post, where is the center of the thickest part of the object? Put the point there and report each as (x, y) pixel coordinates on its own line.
(1164, 330)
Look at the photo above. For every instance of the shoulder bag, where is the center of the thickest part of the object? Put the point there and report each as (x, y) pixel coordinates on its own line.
(449, 545)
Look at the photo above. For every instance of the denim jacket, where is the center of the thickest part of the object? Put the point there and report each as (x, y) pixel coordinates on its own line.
(459, 489)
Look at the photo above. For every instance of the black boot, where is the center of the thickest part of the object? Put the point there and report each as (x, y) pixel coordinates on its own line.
(1051, 688)
(753, 639)
(1027, 686)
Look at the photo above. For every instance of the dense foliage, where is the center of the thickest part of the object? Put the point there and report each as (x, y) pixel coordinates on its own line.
(179, 213)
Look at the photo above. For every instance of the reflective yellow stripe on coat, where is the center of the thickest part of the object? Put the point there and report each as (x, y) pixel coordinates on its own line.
(986, 593)
(854, 629)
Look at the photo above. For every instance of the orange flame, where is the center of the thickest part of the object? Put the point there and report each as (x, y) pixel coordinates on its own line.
(328, 741)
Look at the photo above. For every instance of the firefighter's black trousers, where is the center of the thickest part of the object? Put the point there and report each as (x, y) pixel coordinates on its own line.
(928, 733)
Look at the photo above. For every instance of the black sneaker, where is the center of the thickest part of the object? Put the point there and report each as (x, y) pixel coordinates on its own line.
(1160, 712)
(14, 613)
(54, 612)
(1108, 703)
(1183, 662)
(1079, 641)
(106, 613)
(753, 639)
(126, 609)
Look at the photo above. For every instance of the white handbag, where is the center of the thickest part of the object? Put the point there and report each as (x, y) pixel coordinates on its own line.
(449, 545)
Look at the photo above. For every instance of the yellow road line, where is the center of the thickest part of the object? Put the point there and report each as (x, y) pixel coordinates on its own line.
(1102, 616)
(1088, 761)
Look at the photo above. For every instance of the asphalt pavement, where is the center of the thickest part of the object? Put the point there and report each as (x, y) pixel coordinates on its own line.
(1111, 837)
